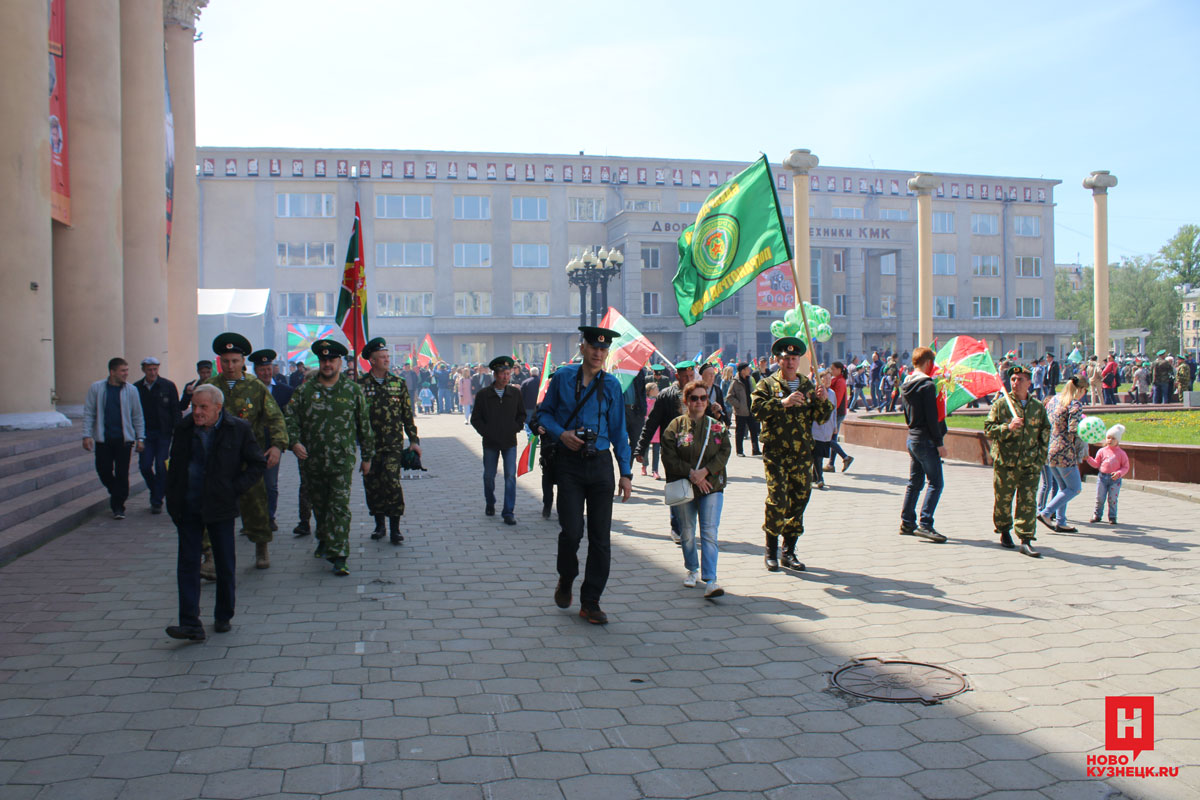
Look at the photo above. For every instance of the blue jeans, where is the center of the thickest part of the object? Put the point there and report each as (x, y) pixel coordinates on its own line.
(445, 401)
(152, 463)
(1069, 485)
(1048, 489)
(835, 449)
(490, 457)
(1161, 393)
(708, 509)
(925, 468)
(1107, 488)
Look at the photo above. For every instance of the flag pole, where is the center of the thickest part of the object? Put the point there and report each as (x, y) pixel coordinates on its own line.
(1003, 391)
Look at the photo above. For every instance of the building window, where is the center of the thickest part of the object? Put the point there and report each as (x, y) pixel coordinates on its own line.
(650, 307)
(944, 306)
(303, 205)
(532, 353)
(304, 254)
(1028, 350)
(814, 261)
(839, 260)
(1029, 307)
(529, 209)
(643, 205)
(985, 266)
(531, 255)
(472, 304)
(531, 304)
(404, 304)
(845, 212)
(729, 308)
(943, 222)
(985, 307)
(894, 214)
(1028, 266)
(403, 254)
(403, 206)
(690, 206)
(943, 264)
(839, 305)
(306, 304)
(887, 264)
(573, 303)
(650, 258)
(474, 352)
(1027, 226)
(472, 207)
(985, 224)
(585, 209)
(473, 255)
(887, 306)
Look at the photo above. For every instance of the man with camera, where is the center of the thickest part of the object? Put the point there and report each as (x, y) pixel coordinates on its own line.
(584, 409)
(498, 414)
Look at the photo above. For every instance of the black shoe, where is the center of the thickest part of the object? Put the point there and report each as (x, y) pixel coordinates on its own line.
(771, 562)
(222, 626)
(1065, 529)
(756, 452)
(394, 528)
(546, 512)
(490, 511)
(1095, 518)
(741, 455)
(190, 634)
(1042, 518)
(593, 614)
(1006, 540)
(789, 561)
(1027, 549)
(320, 551)
(771, 557)
(156, 509)
(380, 528)
(907, 530)
(510, 520)
(301, 530)
(119, 514)
(1112, 522)
(562, 593)
(929, 534)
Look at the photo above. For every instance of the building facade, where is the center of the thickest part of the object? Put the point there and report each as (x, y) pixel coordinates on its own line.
(1189, 320)
(470, 247)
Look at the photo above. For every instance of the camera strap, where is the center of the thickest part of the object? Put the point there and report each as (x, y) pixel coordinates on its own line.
(586, 396)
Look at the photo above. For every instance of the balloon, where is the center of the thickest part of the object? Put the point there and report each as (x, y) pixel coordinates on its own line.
(824, 332)
(778, 329)
(793, 329)
(1092, 430)
(821, 315)
(791, 316)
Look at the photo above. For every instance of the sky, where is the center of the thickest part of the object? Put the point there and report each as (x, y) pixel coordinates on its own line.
(1022, 89)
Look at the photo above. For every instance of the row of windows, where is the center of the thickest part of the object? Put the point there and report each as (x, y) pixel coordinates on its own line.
(466, 207)
(988, 224)
(946, 307)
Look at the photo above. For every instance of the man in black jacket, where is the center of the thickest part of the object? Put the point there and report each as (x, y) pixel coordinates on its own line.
(160, 408)
(635, 407)
(498, 414)
(926, 447)
(667, 407)
(215, 458)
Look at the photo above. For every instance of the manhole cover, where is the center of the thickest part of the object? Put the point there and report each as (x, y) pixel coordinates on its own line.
(899, 681)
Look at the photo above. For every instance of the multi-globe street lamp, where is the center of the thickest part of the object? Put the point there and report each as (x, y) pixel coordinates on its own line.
(592, 270)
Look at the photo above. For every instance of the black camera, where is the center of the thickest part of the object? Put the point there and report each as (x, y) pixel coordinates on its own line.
(589, 442)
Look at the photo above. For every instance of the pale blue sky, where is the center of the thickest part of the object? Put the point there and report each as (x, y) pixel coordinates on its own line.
(1029, 89)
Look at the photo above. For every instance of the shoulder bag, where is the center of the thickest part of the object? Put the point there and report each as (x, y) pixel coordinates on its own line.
(678, 492)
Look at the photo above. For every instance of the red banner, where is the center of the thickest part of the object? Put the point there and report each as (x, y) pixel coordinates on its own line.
(776, 290)
(60, 176)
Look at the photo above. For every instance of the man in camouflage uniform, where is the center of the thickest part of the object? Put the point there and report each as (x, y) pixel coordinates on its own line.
(391, 418)
(1019, 447)
(1183, 377)
(250, 399)
(325, 418)
(1160, 376)
(787, 404)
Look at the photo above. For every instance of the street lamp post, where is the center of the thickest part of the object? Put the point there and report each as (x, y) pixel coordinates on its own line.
(592, 271)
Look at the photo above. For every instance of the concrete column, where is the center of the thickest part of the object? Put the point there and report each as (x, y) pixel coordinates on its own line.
(26, 285)
(923, 184)
(1100, 181)
(89, 292)
(800, 162)
(858, 298)
(179, 19)
(143, 169)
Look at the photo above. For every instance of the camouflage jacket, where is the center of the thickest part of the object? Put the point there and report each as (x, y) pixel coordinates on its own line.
(1183, 375)
(391, 412)
(1025, 447)
(787, 432)
(250, 399)
(328, 421)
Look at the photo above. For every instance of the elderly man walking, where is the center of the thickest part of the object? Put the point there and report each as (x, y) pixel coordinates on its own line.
(497, 415)
(160, 408)
(113, 424)
(215, 459)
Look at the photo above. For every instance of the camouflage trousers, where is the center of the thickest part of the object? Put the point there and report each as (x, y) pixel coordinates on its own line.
(385, 494)
(330, 496)
(789, 484)
(306, 509)
(1021, 483)
(255, 518)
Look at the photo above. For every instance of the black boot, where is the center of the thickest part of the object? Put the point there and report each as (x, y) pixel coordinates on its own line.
(394, 528)
(789, 560)
(302, 529)
(771, 559)
(379, 531)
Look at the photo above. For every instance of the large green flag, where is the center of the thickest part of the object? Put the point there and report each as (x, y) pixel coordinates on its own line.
(738, 233)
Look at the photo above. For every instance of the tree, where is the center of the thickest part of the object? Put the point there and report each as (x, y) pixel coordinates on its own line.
(1075, 304)
(1141, 296)
(1181, 255)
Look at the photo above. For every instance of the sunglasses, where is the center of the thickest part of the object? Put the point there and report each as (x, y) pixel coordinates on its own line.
(698, 398)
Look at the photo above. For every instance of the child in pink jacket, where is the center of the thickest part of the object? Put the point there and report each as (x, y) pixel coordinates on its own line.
(1113, 464)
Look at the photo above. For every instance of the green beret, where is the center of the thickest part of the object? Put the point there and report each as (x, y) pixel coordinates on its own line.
(685, 365)
(374, 346)
(262, 357)
(1017, 370)
(501, 362)
(1161, 353)
(329, 348)
(598, 337)
(231, 343)
(657, 367)
(789, 346)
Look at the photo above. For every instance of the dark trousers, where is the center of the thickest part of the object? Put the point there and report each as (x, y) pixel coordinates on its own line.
(271, 479)
(633, 427)
(585, 483)
(746, 424)
(152, 463)
(191, 532)
(925, 467)
(112, 465)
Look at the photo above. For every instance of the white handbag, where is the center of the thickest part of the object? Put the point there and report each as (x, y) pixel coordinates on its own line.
(678, 492)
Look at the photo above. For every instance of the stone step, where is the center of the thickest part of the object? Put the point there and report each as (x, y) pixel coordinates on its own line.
(15, 443)
(31, 504)
(58, 453)
(27, 536)
(51, 472)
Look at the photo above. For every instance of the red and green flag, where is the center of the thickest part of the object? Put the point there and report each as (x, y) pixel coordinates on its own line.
(964, 371)
(351, 312)
(629, 351)
(427, 354)
(529, 454)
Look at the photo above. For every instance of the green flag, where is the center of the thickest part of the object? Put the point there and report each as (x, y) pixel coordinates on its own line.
(738, 233)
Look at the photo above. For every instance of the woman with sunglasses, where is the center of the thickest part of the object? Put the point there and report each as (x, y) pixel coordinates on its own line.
(696, 447)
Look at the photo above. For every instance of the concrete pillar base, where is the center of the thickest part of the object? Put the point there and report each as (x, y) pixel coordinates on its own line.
(34, 421)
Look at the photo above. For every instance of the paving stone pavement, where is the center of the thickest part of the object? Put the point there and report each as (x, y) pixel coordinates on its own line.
(442, 669)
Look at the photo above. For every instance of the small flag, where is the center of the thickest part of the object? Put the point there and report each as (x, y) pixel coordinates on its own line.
(529, 454)
(629, 352)
(964, 371)
(427, 354)
(351, 312)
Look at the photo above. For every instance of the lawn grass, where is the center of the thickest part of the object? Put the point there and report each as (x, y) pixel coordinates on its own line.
(1152, 427)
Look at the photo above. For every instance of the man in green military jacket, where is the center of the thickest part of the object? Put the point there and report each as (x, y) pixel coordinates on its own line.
(391, 418)
(787, 404)
(1019, 445)
(325, 418)
(250, 399)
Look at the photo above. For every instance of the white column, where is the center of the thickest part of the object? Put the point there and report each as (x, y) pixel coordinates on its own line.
(1100, 181)
(923, 184)
(800, 162)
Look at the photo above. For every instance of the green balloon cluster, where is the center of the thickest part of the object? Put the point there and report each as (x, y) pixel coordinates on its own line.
(792, 324)
(1092, 430)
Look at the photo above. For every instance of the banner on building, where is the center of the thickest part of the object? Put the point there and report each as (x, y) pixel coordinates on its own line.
(776, 290)
(170, 155)
(60, 174)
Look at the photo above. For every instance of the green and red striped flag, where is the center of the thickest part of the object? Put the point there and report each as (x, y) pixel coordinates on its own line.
(351, 312)
(529, 454)
(629, 351)
(964, 371)
(427, 353)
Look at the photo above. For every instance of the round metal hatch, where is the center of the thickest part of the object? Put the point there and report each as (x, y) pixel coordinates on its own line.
(899, 681)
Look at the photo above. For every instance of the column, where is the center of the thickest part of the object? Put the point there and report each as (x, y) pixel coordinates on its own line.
(26, 285)
(858, 304)
(179, 20)
(88, 285)
(144, 189)
(923, 184)
(1100, 181)
(800, 162)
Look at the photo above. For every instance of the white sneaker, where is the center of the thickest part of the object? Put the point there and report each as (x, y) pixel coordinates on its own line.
(714, 589)
(675, 537)
(690, 579)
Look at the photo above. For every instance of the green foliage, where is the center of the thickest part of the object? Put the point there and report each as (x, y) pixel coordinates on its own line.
(1151, 427)
(1077, 305)
(1181, 255)
(1141, 296)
